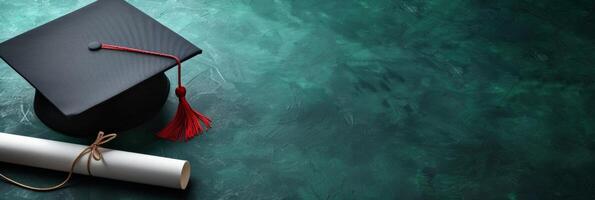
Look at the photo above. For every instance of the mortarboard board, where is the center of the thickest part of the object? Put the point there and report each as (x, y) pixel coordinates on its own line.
(85, 83)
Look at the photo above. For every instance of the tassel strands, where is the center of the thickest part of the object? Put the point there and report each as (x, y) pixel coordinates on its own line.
(186, 123)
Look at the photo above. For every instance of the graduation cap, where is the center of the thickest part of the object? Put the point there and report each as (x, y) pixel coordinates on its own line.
(101, 68)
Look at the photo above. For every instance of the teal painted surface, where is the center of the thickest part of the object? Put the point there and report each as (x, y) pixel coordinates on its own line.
(441, 99)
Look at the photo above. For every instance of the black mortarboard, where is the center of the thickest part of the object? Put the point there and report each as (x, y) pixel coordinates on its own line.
(81, 90)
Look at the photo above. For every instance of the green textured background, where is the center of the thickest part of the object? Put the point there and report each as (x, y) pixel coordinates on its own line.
(383, 99)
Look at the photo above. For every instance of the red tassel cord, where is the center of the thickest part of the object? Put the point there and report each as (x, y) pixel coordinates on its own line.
(186, 123)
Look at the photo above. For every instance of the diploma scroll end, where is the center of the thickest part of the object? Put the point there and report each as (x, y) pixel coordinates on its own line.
(185, 177)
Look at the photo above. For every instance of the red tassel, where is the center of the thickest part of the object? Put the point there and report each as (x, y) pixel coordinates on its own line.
(186, 123)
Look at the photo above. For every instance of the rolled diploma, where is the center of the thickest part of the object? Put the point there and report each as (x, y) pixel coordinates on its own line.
(119, 165)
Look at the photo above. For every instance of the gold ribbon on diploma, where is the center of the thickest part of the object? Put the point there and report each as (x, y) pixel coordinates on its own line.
(92, 150)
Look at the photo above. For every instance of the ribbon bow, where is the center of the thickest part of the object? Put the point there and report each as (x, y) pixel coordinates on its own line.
(92, 150)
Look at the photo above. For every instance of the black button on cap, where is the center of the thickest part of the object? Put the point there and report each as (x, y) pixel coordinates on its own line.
(94, 46)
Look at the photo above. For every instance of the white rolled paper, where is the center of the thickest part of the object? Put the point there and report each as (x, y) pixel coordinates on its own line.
(119, 165)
